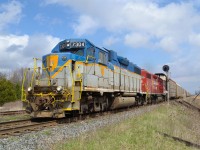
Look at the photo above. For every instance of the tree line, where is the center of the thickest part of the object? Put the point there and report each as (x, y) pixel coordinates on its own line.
(10, 85)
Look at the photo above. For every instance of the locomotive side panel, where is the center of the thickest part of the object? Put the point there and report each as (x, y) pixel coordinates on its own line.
(111, 79)
(116, 78)
(154, 84)
(122, 79)
(146, 82)
(127, 75)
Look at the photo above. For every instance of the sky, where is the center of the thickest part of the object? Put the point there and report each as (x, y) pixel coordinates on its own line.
(150, 33)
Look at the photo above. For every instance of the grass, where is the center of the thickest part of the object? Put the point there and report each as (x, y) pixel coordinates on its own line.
(13, 117)
(168, 127)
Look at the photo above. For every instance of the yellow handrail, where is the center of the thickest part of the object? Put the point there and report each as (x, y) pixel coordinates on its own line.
(88, 56)
(66, 92)
(23, 96)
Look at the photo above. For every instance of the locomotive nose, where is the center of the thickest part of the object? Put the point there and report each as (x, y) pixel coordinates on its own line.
(51, 62)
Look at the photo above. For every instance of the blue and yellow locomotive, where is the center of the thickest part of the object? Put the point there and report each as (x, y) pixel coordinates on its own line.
(79, 77)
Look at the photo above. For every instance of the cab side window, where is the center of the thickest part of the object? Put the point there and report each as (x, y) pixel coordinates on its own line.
(102, 58)
(90, 52)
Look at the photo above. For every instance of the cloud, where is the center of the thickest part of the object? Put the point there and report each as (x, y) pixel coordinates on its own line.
(85, 25)
(137, 40)
(44, 20)
(169, 44)
(194, 40)
(10, 13)
(167, 26)
(111, 40)
(11, 49)
(19, 51)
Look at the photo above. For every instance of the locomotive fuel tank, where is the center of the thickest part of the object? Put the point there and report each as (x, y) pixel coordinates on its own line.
(120, 102)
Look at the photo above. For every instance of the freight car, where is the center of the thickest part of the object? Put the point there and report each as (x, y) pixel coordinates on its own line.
(175, 90)
(79, 77)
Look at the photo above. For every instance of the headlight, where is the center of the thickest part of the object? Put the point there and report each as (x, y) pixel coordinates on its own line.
(29, 89)
(59, 88)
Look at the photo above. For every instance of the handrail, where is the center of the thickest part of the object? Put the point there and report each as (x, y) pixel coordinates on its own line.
(23, 96)
(66, 93)
(88, 56)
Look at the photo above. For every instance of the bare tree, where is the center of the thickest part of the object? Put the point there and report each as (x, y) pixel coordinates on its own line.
(2, 75)
(16, 76)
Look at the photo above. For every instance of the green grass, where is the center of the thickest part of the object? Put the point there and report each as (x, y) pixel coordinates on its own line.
(14, 117)
(143, 132)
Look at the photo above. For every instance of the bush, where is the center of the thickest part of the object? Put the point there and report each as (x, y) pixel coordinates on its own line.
(8, 91)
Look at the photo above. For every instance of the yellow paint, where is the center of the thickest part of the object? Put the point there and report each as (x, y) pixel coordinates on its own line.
(79, 63)
(102, 69)
(69, 109)
(118, 68)
(61, 68)
(52, 62)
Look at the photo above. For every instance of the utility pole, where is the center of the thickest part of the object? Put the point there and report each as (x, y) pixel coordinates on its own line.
(166, 70)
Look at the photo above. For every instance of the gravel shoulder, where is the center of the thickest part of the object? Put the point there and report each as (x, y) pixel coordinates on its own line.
(46, 138)
(12, 106)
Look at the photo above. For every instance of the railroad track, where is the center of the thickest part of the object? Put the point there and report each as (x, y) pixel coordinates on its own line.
(3, 113)
(189, 105)
(22, 126)
(19, 127)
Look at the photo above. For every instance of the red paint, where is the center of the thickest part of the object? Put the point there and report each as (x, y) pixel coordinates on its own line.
(151, 83)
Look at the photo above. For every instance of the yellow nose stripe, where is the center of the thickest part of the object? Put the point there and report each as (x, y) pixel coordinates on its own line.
(52, 62)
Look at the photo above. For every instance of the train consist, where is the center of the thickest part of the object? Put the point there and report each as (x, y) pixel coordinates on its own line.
(78, 77)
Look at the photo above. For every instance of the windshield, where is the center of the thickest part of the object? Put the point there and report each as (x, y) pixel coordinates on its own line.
(74, 51)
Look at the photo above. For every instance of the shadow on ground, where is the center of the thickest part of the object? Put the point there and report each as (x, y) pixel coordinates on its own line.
(187, 143)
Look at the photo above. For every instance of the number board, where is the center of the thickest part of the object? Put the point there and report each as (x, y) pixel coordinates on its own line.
(69, 44)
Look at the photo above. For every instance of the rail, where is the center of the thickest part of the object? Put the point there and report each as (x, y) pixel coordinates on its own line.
(22, 126)
(3, 113)
(19, 127)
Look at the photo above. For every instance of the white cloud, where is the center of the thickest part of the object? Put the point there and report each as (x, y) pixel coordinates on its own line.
(10, 13)
(39, 45)
(45, 20)
(11, 40)
(170, 26)
(19, 51)
(137, 40)
(169, 44)
(194, 40)
(11, 49)
(111, 40)
(85, 25)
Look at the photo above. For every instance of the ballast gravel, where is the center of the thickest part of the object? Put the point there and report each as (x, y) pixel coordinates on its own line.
(46, 138)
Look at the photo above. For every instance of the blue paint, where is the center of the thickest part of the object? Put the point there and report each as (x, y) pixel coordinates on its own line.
(77, 49)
